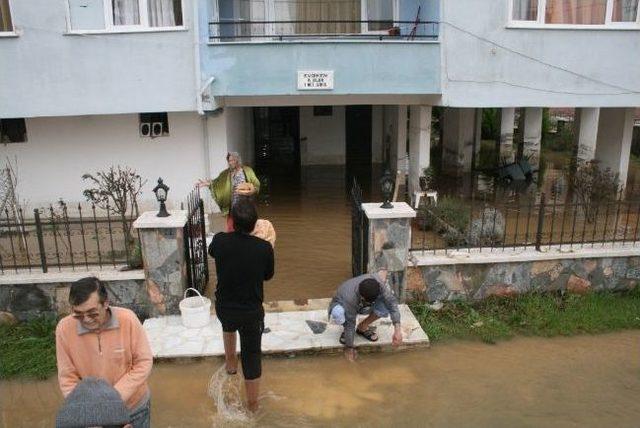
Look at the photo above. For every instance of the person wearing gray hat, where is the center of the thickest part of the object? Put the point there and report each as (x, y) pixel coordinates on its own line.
(93, 403)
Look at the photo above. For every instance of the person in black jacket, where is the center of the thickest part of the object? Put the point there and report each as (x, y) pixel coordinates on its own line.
(243, 262)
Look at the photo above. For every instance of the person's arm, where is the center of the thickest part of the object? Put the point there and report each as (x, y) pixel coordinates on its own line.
(391, 302)
(269, 271)
(253, 179)
(68, 376)
(212, 246)
(142, 361)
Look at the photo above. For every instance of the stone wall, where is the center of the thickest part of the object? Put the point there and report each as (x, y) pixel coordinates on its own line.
(31, 300)
(480, 280)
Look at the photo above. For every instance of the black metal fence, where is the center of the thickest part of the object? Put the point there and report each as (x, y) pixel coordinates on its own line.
(55, 239)
(195, 241)
(359, 232)
(542, 223)
(243, 30)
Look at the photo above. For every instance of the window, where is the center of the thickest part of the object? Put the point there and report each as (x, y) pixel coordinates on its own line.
(615, 13)
(231, 14)
(117, 15)
(5, 17)
(154, 125)
(13, 131)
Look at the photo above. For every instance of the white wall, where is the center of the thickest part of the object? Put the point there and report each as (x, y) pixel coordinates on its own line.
(325, 137)
(240, 132)
(46, 72)
(486, 64)
(60, 149)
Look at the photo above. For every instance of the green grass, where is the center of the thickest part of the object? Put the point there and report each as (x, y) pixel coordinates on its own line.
(28, 349)
(543, 315)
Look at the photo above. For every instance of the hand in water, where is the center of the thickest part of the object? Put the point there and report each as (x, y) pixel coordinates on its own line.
(351, 354)
(396, 340)
(203, 183)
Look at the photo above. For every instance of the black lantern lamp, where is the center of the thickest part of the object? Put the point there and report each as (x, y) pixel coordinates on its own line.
(387, 184)
(161, 191)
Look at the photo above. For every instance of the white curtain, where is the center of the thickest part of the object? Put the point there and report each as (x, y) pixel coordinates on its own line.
(161, 13)
(380, 10)
(625, 10)
(525, 10)
(583, 12)
(126, 12)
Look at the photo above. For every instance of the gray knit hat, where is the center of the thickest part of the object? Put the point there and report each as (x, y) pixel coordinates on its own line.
(93, 402)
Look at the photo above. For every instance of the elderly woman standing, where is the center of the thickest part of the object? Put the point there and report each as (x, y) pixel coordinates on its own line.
(235, 181)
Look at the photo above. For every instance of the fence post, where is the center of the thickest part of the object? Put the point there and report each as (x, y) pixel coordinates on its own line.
(540, 222)
(43, 256)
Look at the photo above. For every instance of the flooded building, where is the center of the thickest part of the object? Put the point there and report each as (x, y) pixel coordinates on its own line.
(168, 87)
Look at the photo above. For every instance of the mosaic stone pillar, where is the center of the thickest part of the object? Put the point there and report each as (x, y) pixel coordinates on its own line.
(390, 241)
(163, 255)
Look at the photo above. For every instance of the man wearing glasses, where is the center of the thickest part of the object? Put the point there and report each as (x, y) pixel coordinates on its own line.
(106, 342)
(366, 294)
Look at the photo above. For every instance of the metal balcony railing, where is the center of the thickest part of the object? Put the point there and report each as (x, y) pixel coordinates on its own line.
(245, 30)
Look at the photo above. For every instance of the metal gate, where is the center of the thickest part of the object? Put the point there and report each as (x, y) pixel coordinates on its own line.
(359, 232)
(195, 240)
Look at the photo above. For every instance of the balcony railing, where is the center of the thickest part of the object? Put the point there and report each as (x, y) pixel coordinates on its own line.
(245, 30)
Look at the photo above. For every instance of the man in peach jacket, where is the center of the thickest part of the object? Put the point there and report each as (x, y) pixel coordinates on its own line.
(97, 340)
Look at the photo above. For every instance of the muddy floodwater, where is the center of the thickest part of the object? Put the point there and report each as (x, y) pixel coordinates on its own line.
(587, 381)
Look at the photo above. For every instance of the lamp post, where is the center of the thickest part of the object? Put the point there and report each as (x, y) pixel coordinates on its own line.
(387, 184)
(161, 191)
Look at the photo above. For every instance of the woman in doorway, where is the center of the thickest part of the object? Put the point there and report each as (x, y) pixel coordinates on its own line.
(235, 181)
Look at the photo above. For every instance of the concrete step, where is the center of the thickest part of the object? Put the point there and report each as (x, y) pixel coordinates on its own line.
(286, 332)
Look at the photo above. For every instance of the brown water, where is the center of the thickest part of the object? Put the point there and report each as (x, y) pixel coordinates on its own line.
(588, 381)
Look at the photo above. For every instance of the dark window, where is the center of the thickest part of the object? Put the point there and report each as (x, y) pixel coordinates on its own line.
(154, 125)
(323, 110)
(13, 131)
(5, 16)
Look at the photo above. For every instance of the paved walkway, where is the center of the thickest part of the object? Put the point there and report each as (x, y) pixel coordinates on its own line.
(290, 327)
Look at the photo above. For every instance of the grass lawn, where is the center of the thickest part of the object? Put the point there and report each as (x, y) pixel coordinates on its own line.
(544, 315)
(28, 349)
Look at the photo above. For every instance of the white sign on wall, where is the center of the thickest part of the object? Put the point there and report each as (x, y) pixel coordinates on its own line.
(315, 80)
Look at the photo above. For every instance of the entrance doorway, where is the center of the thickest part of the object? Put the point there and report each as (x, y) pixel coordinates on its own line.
(277, 140)
(358, 144)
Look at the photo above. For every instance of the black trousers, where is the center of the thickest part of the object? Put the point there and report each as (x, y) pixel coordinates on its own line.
(250, 326)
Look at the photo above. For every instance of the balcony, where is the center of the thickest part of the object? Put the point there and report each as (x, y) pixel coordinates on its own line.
(262, 51)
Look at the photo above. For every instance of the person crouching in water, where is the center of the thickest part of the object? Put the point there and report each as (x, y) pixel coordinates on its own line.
(243, 262)
(366, 294)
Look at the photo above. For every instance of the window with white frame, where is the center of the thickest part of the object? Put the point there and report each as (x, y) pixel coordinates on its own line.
(6, 25)
(118, 15)
(231, 15)
(13, 131)
(614, 13)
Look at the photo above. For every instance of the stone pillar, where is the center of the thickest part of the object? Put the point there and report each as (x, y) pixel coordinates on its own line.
(507, 119)
(457, 144)
(419, 144)
(163, 255)
(613, 149)
(389, 242)
(532, 135)
(585, 125)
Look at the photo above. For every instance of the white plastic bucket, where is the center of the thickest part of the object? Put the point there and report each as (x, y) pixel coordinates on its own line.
(195, 311)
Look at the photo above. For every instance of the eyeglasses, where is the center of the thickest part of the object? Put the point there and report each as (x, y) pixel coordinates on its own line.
(91, 315)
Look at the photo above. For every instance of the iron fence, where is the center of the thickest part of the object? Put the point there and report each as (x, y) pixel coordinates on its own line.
(359, 232)
(243, 30)
(55, 238)
(195, 240)
(540, 223)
